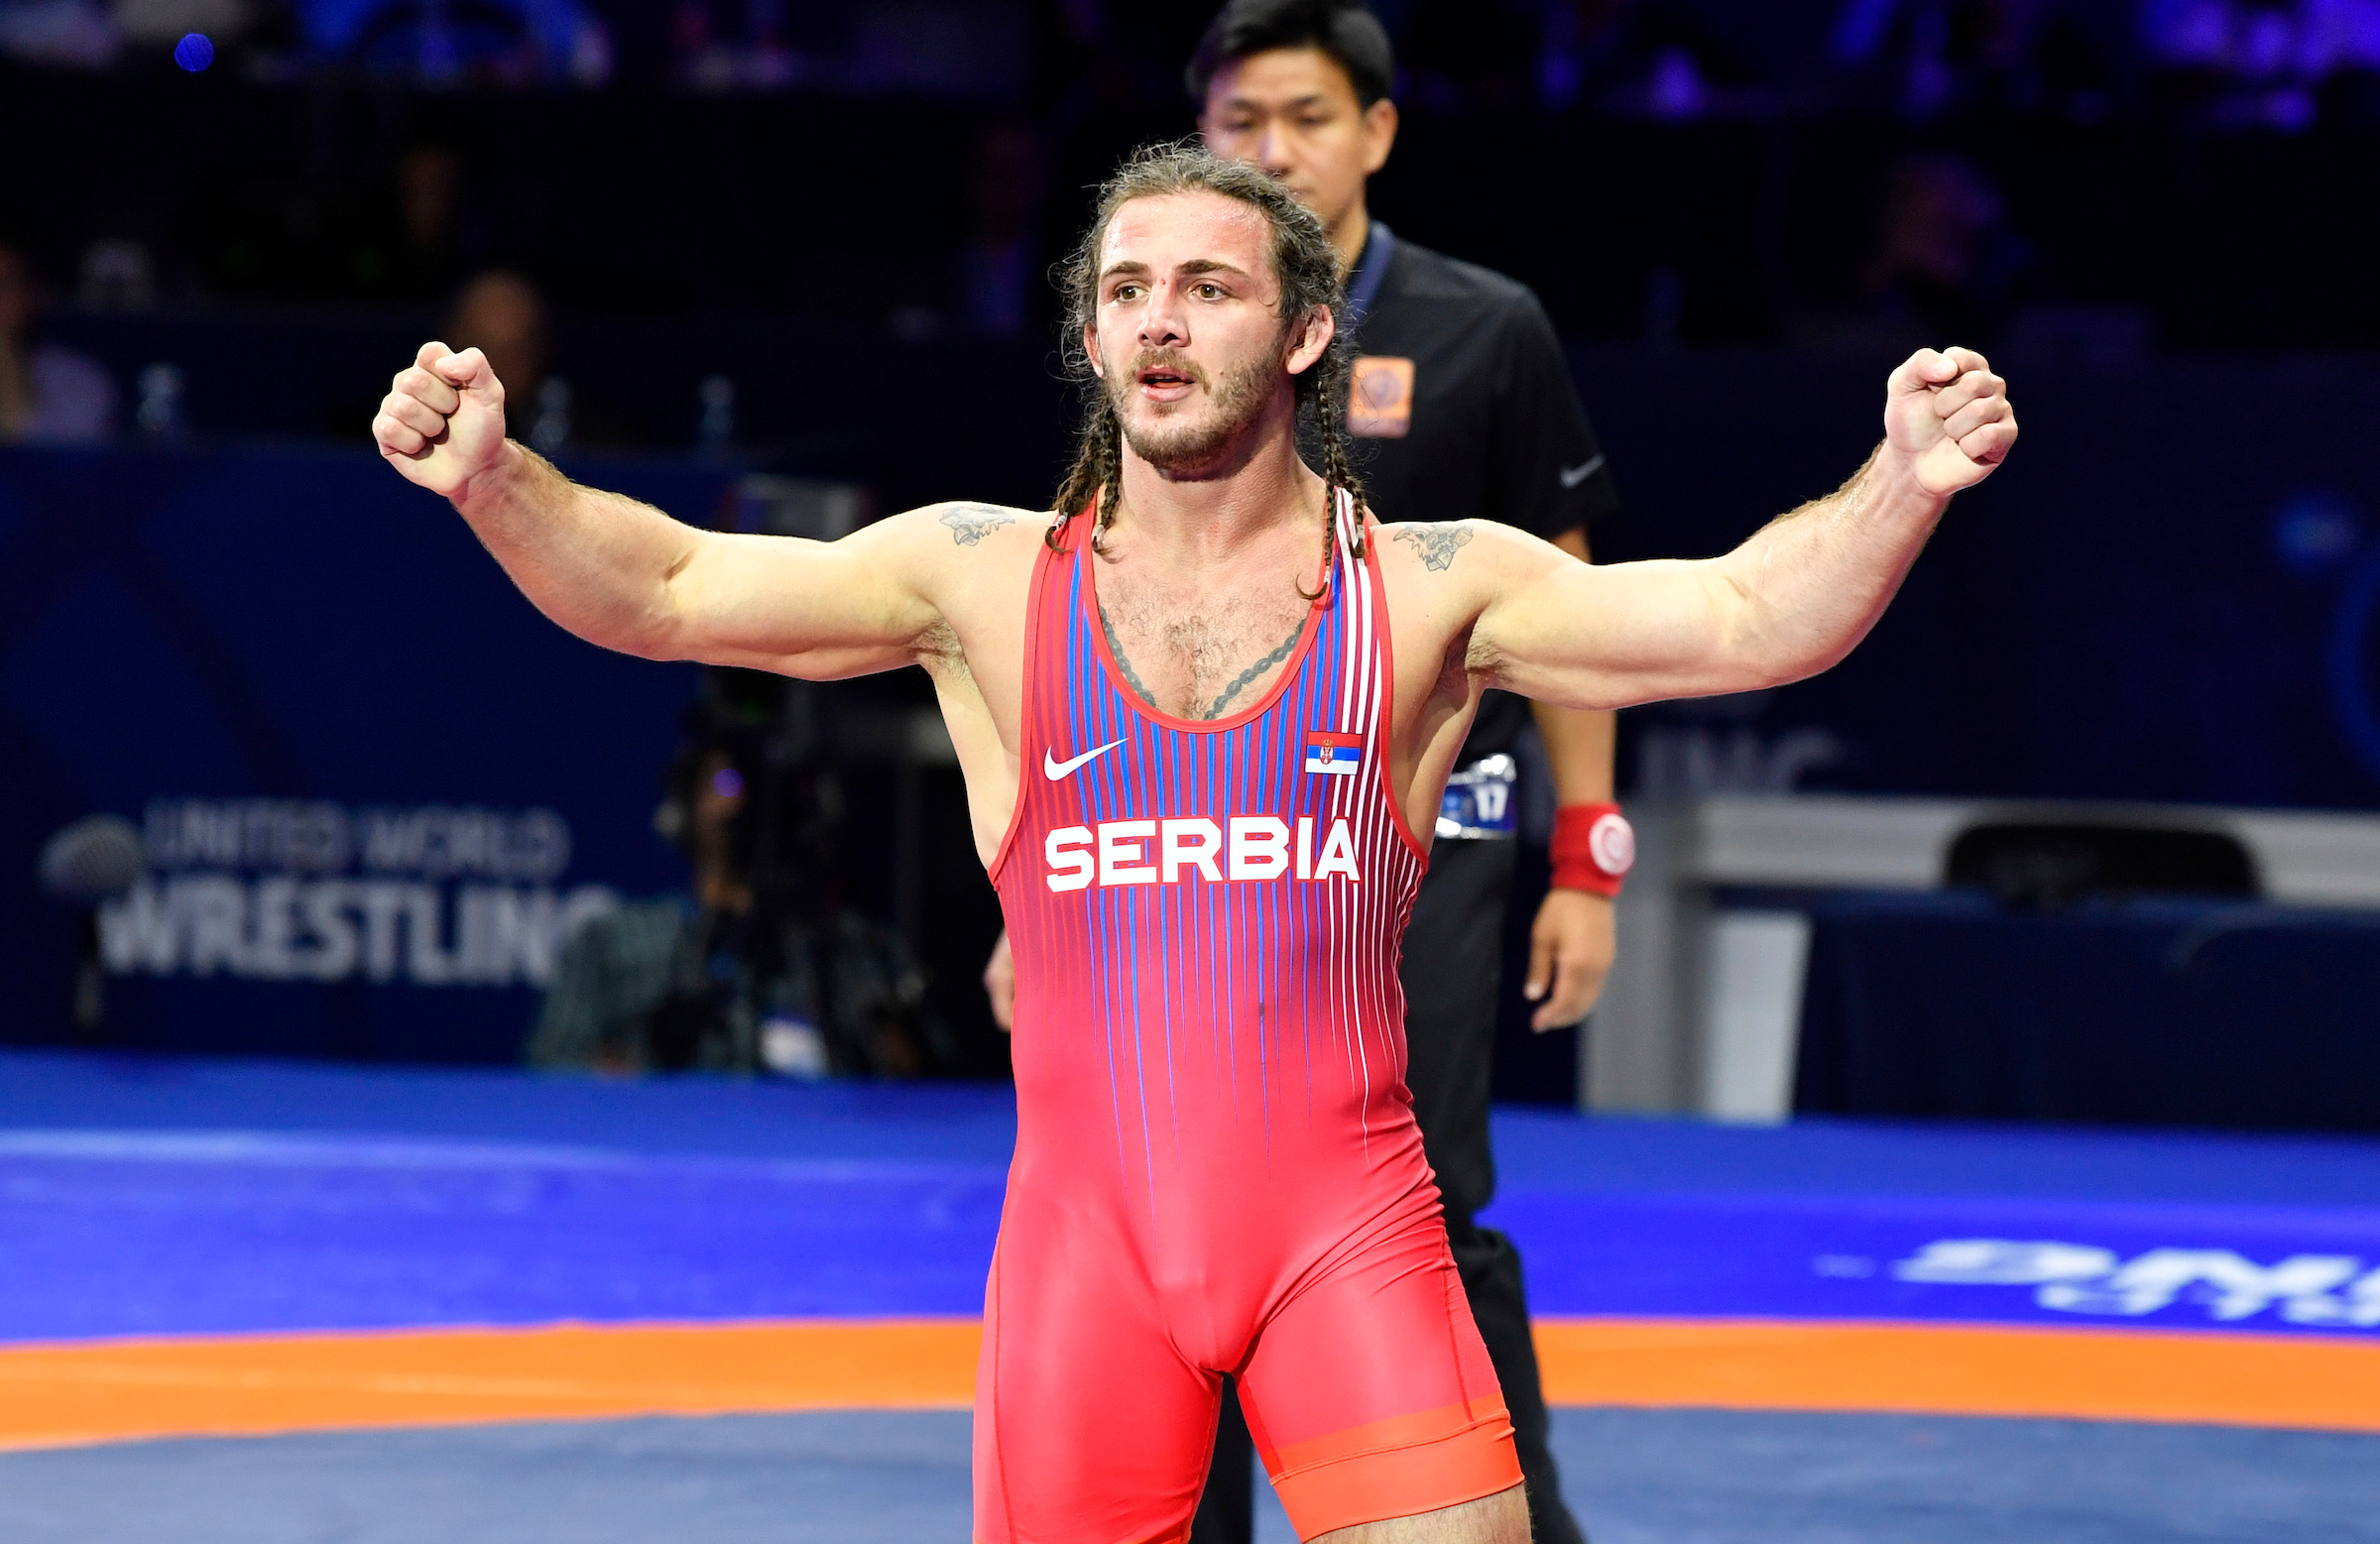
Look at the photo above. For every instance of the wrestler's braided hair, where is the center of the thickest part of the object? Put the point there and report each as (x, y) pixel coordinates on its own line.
(1307, 265)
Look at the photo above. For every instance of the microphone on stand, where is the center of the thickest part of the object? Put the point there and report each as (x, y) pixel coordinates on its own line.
(92, 861)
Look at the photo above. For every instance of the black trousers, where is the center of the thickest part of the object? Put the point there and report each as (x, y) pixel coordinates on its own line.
(1454, 964)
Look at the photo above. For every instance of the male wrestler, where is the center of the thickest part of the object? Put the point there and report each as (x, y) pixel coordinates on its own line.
(1202, 712)
(1464, 410)
(1467, 410)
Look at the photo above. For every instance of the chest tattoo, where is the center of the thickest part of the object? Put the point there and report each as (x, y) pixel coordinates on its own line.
(1240, 681)
(1116, 648)
(1224, 698)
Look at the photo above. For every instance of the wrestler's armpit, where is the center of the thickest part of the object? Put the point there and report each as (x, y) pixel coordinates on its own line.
(939, 651)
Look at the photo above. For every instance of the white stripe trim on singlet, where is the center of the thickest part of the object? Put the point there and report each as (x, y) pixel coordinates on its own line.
(1346, 597)
(1372, 802)
(1359, 715)
(1352, 800)
(1341, 900)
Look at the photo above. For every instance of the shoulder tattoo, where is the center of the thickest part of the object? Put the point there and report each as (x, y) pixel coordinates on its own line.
(970, 522)
(1437, 543)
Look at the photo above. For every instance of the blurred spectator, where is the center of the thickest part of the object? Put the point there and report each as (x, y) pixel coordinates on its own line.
(755, 969)
(1003, 291)
(2260, 63)
(161, 23)
(1659, 57)
(425, 253)
(488, 43)
(1945, 258)
(2263, 38)
(723, 47)
(49, 394)
(1933, 56)
(1460, 54)
(78, 34)
(428, 216)
(118, 274)
(502, 316)
(1578, 44)
(1943, 268)
(1094, 57)
(424, 232)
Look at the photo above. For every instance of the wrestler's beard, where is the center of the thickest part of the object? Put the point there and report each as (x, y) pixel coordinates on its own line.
(1187, 442)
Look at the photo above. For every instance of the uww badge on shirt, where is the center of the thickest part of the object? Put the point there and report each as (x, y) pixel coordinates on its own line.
(1380, 398)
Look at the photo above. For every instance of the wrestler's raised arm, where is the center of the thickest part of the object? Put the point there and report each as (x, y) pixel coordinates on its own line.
(1788, 603)
(627, 577)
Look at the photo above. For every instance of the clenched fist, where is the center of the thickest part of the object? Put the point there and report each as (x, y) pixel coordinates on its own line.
(1948, 415)
(442, 422)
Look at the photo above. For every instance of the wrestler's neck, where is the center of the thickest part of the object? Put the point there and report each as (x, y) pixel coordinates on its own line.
(1241, 503)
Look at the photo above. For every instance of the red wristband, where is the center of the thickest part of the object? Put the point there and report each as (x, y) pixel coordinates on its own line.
(1594, 848)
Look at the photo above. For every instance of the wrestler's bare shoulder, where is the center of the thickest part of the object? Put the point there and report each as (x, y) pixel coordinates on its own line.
(962, 535)
(1439, 574)
(957, 555)
(1461, 550)
(968, 525)
(974, 563)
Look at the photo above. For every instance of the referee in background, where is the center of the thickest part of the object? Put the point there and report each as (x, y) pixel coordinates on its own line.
(1466, 403)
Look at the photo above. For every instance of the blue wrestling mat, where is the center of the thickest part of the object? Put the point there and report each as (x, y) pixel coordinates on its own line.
(167, 1197)
(160, 1198)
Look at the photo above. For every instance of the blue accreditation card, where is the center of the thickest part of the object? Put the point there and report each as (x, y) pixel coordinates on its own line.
(1479, 803)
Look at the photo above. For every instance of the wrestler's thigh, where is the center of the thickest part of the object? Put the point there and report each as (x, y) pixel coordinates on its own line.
(1089, 1428)
(1502, 1518)
(1371, 1396)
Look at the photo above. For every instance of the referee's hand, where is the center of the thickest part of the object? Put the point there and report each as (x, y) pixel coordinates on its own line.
(1570, 954)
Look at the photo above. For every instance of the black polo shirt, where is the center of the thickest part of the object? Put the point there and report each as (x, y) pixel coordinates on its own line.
(1492, 426)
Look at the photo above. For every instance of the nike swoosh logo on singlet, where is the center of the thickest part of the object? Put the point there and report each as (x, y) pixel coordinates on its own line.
(1572, 476)
(1053, 768)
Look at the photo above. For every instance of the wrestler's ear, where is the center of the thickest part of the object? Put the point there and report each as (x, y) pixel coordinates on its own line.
(1091, 350)
(1314, 340)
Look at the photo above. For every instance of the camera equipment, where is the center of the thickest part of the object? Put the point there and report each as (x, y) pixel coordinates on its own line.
(94, 860)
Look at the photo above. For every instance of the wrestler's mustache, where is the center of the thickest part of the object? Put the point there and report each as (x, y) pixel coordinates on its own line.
(1164, 363)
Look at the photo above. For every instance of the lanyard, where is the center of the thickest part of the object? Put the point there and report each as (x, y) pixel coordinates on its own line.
(1379, 245)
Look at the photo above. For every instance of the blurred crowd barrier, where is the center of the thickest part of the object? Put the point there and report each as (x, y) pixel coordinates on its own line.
(2079, 961)
(2204, 1012)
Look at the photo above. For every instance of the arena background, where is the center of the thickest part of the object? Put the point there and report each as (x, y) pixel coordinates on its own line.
(750, 222)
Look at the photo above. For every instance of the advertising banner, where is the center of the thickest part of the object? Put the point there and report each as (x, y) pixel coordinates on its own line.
(374, 787)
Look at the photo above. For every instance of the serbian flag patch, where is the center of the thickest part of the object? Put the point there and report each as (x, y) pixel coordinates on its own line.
(1337, 755)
